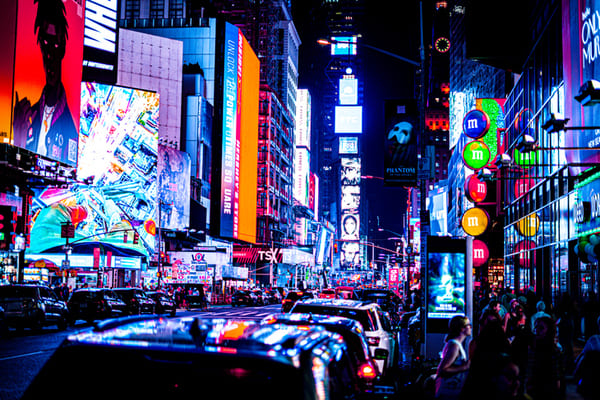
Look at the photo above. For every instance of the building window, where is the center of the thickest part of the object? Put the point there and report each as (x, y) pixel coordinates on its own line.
(176, 9)
(157, 8)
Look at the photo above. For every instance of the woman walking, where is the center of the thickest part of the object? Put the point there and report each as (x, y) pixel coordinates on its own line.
(454, 365)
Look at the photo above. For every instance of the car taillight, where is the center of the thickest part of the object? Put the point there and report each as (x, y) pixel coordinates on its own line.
(373, 341)
(367, 371)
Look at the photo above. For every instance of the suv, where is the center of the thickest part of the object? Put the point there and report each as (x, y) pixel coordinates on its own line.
(382, 340)
(363, 364)
(163, 303)
(243, 297)
(33, 306)
(95, 303)
(136, 301)
(182, 357)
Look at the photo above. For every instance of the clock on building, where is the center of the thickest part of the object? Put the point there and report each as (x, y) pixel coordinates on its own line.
(442, 44)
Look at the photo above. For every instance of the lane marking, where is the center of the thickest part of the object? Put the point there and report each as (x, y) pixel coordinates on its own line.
(23, 355)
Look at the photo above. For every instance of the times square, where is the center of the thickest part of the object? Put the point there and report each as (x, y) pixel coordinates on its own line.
(194, 198)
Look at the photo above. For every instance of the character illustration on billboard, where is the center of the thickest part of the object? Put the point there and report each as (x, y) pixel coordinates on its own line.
(350, 171)
(350, 227)
(350, 254)
(401, 146)
(446, 288)
(48, 124)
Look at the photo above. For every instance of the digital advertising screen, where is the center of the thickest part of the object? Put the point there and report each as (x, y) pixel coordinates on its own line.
(350, 254)
(303, 116)
(47, 77)
(8, 20)
(118, 155)
(235, 141)
(348, 92)
(301, 175)
(100, 41)
(350, 226)
(348, 119)
(174, 187)
(447, 280)
(351, 170)
(343, 46)
(348, 145)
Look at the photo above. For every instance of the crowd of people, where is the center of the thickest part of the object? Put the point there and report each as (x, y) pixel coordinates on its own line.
(521, 347)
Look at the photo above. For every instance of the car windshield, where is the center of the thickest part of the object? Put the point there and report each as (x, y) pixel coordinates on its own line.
(362, 316)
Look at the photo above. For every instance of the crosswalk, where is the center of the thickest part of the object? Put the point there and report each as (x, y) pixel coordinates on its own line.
(253, 313)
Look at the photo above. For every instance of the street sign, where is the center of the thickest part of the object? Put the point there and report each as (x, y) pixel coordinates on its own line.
(66, 264)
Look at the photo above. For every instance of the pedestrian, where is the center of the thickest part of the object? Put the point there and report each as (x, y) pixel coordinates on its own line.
(540, 312)
(587, 368)
(495, 378)
(545, 374)
(454, 365)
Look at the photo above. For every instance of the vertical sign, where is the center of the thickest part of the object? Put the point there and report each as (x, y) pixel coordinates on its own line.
(400, 157)
(100, 41)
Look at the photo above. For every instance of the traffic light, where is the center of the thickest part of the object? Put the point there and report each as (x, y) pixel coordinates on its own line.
(8, 220)
(335, 247)
(136, 237)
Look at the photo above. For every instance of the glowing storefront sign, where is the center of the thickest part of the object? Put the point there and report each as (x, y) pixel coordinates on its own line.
(476, 154)
(475, 190)
(481, 253)
(476, 124)
(475, 221)
(522, 186)
(526, 159)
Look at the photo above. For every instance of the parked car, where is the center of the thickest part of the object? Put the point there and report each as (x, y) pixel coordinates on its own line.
(90, 304)
(363, 364)
(327, 293)
(346, 292)
(382, 339)
(261, 298)
(136, 300)
(243, 297)
(163, 303)
(33, 306)
(179, 358)
(293, 296)
(387, 299)
(272, 296)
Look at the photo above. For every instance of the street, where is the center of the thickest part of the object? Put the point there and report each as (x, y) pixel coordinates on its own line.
(22, 354)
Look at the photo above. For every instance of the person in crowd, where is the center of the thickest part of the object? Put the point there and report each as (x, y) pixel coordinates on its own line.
(494, 378)
(566, 314)
(540, 308)
(520, 341)
(587, 367)
(454, 365)
(491, 335)
(511, 319)
(545, 374)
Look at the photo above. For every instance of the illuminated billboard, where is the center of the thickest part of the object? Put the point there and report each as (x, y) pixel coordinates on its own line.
(343, 46)
(301, 175)
(47, 78)
(118, 152)
(174, 187)
(303, 116)
(348, 119)
(350, 198)
(348, 145)
(100, 41)
(348, 94)
(400, 157)
(350, 254)
(8, 22)
(235, 141)
(351, 171)
(350, 227)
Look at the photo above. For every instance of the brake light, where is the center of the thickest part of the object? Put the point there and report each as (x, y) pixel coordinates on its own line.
(373, 341)
(366, 371)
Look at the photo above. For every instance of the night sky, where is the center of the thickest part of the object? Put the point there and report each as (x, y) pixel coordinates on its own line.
(392, 26)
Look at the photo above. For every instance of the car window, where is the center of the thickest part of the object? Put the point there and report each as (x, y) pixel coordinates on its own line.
(47, 294)
(16, 291)
(109, 294)
(385, 321)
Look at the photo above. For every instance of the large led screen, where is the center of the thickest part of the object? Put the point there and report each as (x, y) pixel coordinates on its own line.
(235, 145)
(348, 119)
(8, 20)
(343, 46)
(350, 226)
(348, 94)
(303, 116)
(118, 155)
(100, 41)
(446, 277)
(47, 77)
(348, 145)
(351, 170)
(350, 254)
(301, 175)
(174, 187)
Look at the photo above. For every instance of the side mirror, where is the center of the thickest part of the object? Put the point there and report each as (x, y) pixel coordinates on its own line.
(381, 354)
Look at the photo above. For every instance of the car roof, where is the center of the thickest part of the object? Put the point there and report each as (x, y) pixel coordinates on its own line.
(307, 318)
(337, 303)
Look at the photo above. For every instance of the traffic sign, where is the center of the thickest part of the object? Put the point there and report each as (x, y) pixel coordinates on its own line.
(66, 264)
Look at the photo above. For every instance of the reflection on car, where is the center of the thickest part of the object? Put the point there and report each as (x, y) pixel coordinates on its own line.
(293, 296)
(180, 358)
(381, 337)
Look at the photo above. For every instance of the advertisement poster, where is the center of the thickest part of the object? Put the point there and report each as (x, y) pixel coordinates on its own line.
(174, 187)
(47, 77)
(581, 64)
(117, 157)
(400, 143)
(7, 49)
(446, 285)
